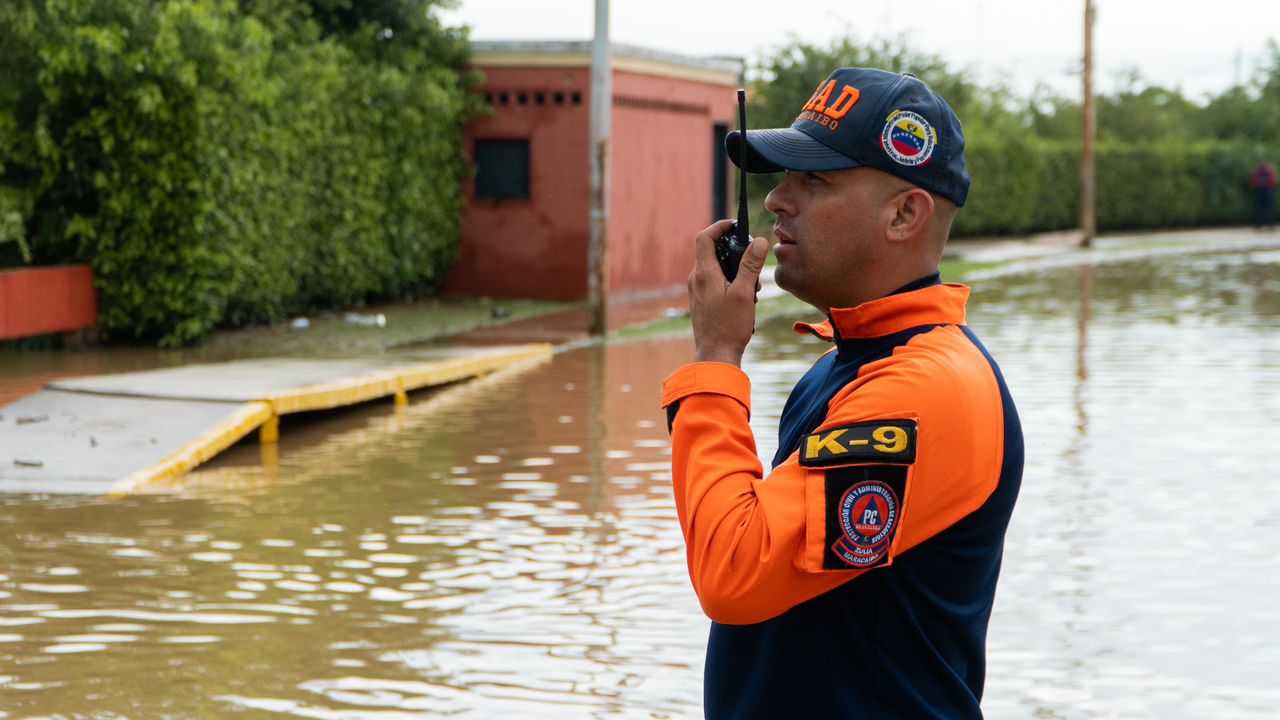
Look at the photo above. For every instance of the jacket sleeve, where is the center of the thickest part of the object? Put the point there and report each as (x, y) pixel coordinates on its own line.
(743, 531)
(755, 543)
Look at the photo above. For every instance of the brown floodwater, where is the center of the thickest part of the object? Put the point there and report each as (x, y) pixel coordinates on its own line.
(509, 548)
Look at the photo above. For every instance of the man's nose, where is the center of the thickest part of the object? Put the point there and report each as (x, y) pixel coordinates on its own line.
(779, 201)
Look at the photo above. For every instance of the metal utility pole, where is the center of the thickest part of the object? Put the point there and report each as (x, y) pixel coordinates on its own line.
(1088, 221)
(601, 100)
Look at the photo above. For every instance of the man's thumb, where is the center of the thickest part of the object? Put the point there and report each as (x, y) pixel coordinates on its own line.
(753, 259)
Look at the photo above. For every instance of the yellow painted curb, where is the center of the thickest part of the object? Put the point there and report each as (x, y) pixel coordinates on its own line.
(243, 421)
(389, 382)
(266, 411)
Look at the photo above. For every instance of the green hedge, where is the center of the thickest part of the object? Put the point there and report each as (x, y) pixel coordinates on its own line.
(218, 167)
(1031, 186)
(1028, 186)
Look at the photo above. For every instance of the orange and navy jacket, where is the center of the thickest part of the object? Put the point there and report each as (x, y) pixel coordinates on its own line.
(856, 579)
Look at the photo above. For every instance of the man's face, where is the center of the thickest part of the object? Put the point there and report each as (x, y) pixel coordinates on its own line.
(828, 228)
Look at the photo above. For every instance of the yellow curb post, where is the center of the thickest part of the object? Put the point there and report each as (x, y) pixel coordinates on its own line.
(270, 455)
(402, 397)
(269, 433)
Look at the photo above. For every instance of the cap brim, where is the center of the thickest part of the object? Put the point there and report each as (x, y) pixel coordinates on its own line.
(773, 151)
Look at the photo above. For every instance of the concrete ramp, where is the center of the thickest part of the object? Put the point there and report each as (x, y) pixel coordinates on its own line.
(121, 433)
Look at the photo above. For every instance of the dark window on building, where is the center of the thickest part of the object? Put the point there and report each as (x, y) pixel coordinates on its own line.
(502, 169)
(719, 173)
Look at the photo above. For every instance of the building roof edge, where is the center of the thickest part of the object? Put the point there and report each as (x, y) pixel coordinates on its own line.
(484, 50)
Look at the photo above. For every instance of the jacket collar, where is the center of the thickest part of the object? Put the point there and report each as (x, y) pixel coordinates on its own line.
(926, 301)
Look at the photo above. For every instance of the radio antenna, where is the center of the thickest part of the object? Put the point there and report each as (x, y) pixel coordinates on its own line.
(744, 233)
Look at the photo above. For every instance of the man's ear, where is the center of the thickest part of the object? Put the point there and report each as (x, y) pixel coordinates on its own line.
(913, 210)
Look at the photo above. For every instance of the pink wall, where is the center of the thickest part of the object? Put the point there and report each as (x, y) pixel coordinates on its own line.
(662, 172)
(535, 248)
(660, 194)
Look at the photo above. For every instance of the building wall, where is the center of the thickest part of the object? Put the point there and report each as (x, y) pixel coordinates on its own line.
(661, 194)
(46, 300)
(535, 248)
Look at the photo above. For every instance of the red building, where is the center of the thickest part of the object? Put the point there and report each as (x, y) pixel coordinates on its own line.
(526, 226)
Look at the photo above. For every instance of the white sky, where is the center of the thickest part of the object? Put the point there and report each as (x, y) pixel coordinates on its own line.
(1197, 46)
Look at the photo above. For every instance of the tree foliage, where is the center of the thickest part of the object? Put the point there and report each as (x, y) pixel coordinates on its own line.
(221, 162)
(1163, 160)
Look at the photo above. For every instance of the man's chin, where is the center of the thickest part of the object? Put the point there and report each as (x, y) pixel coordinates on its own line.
(786, 274)
(784, 277)
(781, 277)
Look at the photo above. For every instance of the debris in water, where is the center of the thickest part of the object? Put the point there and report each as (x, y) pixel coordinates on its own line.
(23, 462)
(27, 419)
(378, 320)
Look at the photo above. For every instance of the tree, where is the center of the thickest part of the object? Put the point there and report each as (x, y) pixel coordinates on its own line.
(218, 166)
(787, 78)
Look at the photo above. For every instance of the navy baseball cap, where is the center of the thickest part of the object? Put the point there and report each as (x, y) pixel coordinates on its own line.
(861, 117)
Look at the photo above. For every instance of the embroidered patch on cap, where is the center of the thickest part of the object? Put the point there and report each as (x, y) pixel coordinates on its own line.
(908, 138)
(826, 111)
(863, 513)
(878, 441)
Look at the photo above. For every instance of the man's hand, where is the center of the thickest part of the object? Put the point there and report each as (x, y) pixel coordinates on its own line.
(724, 313)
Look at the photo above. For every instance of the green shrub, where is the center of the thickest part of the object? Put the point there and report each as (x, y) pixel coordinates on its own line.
(1034, 186)
(1024, 154)
(220, 163)
(1026, 185)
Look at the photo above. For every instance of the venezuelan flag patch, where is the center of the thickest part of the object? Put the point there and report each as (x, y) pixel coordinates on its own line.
(908, 138)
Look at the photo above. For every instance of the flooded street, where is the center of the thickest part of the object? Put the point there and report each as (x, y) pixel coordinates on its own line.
(508, 548)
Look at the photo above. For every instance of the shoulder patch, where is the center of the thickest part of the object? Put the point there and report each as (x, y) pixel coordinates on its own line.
(890, 442)
(864, 509)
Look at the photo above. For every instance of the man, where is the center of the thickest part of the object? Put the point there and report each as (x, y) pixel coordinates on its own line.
(856, 579)
(1262, 182)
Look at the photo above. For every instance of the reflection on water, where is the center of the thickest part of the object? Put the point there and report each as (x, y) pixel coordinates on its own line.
(1141, 572)
(505, 547)
(509, 548)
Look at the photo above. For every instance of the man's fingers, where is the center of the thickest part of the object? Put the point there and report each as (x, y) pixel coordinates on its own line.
(705, 243)
(752, 263)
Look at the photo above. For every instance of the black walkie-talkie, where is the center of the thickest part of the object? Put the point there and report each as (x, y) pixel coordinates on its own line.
(731, 247)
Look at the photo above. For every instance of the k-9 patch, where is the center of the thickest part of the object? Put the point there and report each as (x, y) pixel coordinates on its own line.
(863, 511)
(878, 441)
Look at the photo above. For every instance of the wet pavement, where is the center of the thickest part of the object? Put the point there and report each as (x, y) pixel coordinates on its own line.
(123, 431)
